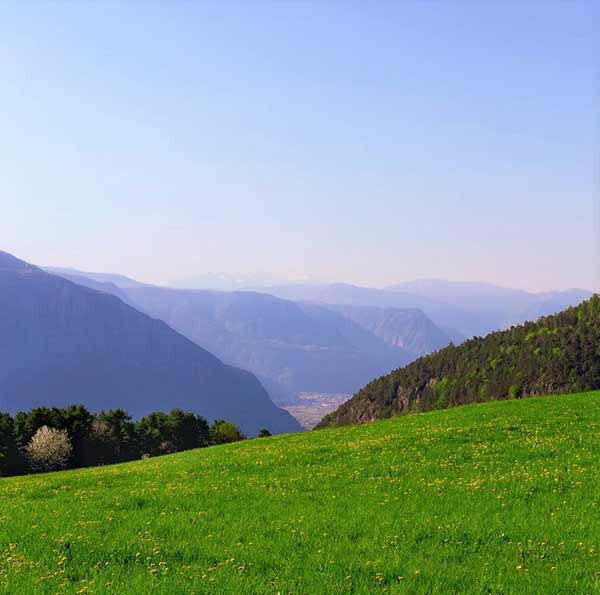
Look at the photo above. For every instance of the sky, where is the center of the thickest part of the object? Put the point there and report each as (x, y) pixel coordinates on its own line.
(366, 142)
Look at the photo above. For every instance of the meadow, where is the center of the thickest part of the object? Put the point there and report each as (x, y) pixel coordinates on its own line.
(500, 497)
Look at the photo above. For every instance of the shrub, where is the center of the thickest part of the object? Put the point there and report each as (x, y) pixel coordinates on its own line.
(264, 433)
(223, 432)
(49, 449)
(514, 392)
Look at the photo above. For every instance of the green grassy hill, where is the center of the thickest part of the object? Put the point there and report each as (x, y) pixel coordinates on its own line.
(495, 498)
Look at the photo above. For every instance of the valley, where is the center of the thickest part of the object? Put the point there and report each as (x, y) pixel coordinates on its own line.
(310, 408)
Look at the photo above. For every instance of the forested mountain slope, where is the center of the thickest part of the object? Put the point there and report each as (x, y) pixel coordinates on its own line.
(556, 354)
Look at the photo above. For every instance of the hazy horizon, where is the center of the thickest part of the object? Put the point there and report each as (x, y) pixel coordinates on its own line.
(368, 144)
(264, 280)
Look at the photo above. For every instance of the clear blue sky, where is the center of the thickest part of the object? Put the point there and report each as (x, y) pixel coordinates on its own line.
(370, 142)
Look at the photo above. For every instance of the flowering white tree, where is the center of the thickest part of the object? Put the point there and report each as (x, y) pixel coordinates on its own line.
(49, 449)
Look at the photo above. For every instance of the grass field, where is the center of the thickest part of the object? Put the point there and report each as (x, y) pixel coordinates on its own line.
(494, 498)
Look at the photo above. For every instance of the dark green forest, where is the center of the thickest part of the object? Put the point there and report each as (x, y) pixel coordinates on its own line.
(555, 354)
(110, 436)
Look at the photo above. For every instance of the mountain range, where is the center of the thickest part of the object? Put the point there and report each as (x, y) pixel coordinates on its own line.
(496, 307)
(62, 343)
(308, 338)
(293, 348)
(461, 310)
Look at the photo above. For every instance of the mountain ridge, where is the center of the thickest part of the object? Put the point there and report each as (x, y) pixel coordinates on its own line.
(292, 347)
(407, 328)
(80, 345)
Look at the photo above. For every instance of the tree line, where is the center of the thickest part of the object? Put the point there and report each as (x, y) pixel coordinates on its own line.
(45, 438)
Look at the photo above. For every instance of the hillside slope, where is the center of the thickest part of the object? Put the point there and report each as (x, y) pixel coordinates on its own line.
(493, 498)
(559, 353)
(61, 343)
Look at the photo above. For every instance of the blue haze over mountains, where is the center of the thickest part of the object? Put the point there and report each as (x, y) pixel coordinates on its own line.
(293, 347)
(462, 309)
(330, 338)
(497, 307)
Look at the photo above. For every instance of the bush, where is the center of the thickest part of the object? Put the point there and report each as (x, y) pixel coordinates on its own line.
(264, 433)
(514, 391)
(49, 449)
(223, 432)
